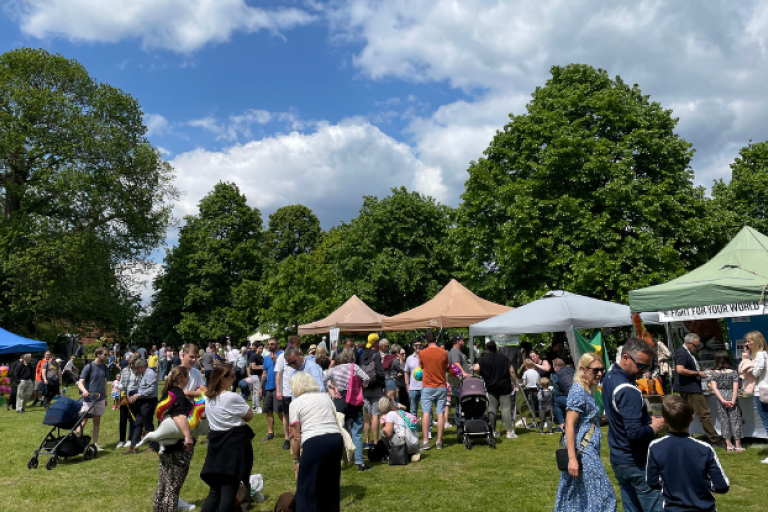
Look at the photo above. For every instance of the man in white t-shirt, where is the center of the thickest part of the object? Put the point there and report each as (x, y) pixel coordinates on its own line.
(194, 387)
(284, 372)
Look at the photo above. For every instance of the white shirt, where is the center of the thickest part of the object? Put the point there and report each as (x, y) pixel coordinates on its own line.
(226, 411)
(400, 428)
(232, 356)
(195, 380)
(760, 369)
(531, 378)
(287, 372)
(315, 413)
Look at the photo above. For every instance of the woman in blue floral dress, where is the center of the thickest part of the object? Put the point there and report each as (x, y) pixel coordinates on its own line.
(589, 489)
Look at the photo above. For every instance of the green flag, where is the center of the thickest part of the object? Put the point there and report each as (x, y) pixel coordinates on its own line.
(596, 345)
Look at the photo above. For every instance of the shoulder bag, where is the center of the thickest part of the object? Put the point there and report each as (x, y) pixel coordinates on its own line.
(354, 388)
(561, 455)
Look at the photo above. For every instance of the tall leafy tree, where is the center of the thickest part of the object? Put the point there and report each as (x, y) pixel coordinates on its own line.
(78, 182)
(744, 200)
(219, 265)
(293, 230)
(393, 256)
(590, 191)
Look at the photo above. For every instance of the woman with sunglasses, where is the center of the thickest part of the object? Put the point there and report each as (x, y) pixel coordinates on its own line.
(402, 389)
(586, 488)
(229, 459)
(757, 348)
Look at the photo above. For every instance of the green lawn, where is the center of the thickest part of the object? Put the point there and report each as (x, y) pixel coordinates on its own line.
(520, 475)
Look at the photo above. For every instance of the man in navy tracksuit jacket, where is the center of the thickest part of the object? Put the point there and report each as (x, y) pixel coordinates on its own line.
(685, 469)
(631, 429)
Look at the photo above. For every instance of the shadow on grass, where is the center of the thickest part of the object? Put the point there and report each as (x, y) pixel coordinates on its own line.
(352, 493)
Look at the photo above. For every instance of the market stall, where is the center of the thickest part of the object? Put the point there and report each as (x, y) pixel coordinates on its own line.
(558, 311)
(731, 285)
(13, 344)
(353, 316)
(454, 306)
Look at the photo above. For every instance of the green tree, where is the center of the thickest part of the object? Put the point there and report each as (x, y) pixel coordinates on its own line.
(589, 191)
(293, 230)
(392, 255)
(216, 268)
(744, 200)
(78, 182)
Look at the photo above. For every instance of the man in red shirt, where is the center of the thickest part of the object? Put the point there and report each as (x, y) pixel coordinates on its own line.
(434, 362)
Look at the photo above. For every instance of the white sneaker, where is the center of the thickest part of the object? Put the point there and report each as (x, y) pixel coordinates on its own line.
(764, 461)
(183, 505)
(118, 446)
(430, 434)
(511, 435)
(448, 425)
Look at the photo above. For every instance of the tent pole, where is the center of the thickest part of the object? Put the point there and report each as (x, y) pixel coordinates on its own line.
(572, 345)
(471, 350)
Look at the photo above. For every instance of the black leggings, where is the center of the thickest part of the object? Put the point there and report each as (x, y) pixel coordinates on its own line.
(126, 423)
(221, 496)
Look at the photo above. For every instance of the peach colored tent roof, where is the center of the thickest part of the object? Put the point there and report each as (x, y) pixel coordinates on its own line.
(454, 306)
(353, 316)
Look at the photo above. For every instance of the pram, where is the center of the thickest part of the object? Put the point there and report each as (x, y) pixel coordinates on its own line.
(473, 407)
(65, 414)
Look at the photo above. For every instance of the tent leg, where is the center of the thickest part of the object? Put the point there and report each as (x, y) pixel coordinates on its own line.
(573, 346)
(472, 350)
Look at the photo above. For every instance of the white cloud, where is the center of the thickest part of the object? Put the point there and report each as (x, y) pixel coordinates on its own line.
(708, 61)
(239, 126)
(156, 124)
(178, 25)
(328, 170)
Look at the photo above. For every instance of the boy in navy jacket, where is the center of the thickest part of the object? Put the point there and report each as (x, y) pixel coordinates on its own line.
(685, 469)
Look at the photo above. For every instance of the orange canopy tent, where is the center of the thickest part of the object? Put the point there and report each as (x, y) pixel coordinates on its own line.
(353, 316)
(454, 306)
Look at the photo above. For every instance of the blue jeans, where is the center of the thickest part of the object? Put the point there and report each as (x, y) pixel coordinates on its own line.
(561, 401)
(636, 494)
(415, 398)
(354, 425)
(245, 389)
(762, 410)
(163, 366)
(456, 416)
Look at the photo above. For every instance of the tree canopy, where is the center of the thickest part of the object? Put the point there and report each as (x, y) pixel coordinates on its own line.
(744, 200)
(82, 190)
(590, 191)
(293, 230)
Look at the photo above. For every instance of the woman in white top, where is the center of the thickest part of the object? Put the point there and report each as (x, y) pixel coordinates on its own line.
(313, 428)
(395, 430)
(229, 459)
(755, 344)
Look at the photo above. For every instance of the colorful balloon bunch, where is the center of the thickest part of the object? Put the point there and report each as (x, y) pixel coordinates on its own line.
(5, 389)
(3, 371)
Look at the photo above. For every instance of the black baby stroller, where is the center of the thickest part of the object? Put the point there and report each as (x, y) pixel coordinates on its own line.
(473, 407)
(65, 414)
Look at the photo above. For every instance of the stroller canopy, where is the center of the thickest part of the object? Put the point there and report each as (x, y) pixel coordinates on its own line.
(12, 344)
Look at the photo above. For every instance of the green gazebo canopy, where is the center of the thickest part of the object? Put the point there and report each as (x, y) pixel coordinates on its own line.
(737, 274)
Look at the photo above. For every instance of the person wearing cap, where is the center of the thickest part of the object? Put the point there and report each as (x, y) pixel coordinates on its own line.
(456, 355)
(311, 352)
(370, 361)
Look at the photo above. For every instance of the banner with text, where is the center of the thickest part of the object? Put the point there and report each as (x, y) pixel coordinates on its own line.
(735, 309)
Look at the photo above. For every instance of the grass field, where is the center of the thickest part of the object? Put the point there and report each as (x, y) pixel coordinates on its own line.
(518, 476)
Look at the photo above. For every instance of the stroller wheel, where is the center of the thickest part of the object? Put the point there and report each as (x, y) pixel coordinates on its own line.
(52, 462)
(32, 464)
(468, 443)
(90, 453)
(491, 442)
(460, 433)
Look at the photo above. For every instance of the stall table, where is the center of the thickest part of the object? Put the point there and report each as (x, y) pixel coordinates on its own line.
(753, 425)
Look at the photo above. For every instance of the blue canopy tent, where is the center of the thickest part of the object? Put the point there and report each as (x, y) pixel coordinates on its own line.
(13, 344)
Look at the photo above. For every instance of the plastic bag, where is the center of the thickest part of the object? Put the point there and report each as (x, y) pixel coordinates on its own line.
(257, 486)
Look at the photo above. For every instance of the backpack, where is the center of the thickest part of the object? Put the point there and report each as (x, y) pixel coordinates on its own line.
(370, 370)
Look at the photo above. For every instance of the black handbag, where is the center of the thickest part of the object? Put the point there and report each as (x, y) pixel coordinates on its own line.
(398, 455)
(561, 455)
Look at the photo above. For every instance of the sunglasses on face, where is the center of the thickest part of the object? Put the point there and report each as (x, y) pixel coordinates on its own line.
(640, 366)
(596, 371)
(293, 363)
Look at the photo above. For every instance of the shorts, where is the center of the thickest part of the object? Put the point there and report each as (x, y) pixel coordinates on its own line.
(39, 385)
(436, 396)
(287, 404)
(371, 400)
(96, 408)
(391, 385)
(271, 403)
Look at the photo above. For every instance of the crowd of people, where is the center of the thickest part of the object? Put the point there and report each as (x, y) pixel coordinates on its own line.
(375, 395)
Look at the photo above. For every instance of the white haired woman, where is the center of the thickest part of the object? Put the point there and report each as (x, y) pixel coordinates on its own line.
(585, 489)
(317, 446)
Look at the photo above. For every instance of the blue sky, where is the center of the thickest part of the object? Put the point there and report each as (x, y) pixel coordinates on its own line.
(322, 102)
